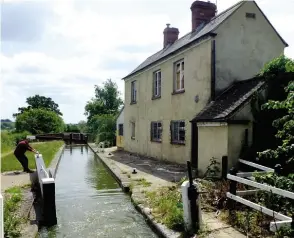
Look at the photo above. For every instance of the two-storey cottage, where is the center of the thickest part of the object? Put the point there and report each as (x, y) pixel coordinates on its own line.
(189, 101)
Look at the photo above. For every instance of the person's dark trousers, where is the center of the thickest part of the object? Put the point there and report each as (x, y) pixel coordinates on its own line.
(24, 162)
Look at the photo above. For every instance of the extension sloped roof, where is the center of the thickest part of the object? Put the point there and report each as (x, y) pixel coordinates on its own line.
(226, 104)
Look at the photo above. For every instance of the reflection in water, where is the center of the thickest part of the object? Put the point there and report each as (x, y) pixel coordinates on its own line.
(89, 201)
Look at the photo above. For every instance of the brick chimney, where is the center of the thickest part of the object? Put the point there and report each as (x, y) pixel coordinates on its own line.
(170, 35)
(202, 12)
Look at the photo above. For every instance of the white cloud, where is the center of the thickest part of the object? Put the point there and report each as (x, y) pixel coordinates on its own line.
(86, 42)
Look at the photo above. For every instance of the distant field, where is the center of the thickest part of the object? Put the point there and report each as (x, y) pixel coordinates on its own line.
(47, 149)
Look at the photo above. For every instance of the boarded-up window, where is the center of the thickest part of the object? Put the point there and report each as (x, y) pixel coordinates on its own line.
(156, 131)
(133, 92)
(133, 129)
(120, 129)
(178, 132)
(250, 15)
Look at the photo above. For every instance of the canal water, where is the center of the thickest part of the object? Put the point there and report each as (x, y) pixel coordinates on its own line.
(89, 201)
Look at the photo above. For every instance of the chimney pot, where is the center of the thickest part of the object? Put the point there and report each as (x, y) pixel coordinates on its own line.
(170, 35)
(202, 12)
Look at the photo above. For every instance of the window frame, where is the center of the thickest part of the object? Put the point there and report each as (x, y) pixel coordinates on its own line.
(179, 128)
(121, 129)
(157, 81)
(133, 130)
(134, 92)
(159, 129)
(181, 71)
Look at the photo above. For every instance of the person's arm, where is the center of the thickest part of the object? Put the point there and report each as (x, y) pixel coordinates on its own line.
(32, 149)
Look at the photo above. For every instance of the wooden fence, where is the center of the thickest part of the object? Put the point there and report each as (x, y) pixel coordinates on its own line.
(247, 178)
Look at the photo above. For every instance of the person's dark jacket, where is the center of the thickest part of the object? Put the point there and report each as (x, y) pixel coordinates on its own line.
(22, 147)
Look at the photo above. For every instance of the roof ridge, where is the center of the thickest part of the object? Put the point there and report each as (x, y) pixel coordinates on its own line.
(226, 10)
(188, 39)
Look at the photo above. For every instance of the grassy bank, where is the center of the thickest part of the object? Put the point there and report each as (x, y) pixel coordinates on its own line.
(8, 140)
(12, 221)
(47, 149)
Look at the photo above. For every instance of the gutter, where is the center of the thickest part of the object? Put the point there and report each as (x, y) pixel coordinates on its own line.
(213, 71)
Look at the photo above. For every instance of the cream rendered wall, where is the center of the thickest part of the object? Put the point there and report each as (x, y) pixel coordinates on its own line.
(212, 142)
(244, 45)
(236, 137)
(168, 107)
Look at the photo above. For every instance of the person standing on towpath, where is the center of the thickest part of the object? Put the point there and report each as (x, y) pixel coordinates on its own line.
(19, 153)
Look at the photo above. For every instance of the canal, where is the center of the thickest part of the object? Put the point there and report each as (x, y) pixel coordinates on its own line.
(89, 201)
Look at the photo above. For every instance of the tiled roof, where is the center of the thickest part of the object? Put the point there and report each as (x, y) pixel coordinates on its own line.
(229, 101)
(188, 38)
(197, 35)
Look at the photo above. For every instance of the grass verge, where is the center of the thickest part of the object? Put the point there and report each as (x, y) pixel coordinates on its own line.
(47, 149)
(12, 221)
(166, 207)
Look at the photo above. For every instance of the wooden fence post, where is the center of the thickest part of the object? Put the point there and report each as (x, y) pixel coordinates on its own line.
(224, 167)
(233, 190)
(292, 226)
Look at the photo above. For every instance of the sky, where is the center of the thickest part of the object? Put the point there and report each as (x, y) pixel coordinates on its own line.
(62, 48)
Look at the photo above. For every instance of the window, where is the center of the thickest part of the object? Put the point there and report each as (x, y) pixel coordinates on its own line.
(120, 129)
(133, 92)
(156, 131)
(179, 76)
(133, 130)
(178, 132)
(157, 84)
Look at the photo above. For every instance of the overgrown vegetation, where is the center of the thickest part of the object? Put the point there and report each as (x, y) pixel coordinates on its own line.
(101, 112)
(274, 120)
(8, 140)
(166, 207)
(47, 149)
(12, 221)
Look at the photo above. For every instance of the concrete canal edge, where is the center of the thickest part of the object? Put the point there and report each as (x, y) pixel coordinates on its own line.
(160, 229)
(122, 179)
(55, 162)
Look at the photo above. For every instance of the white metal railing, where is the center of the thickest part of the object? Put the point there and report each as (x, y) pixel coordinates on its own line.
(246, 178)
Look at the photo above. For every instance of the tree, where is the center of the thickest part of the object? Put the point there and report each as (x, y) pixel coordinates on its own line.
(106, 101)
(101, 112)
(82, 125)
(72, 128)
(284, 153)
(106, 128)
(38, 121)
(38, 101)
